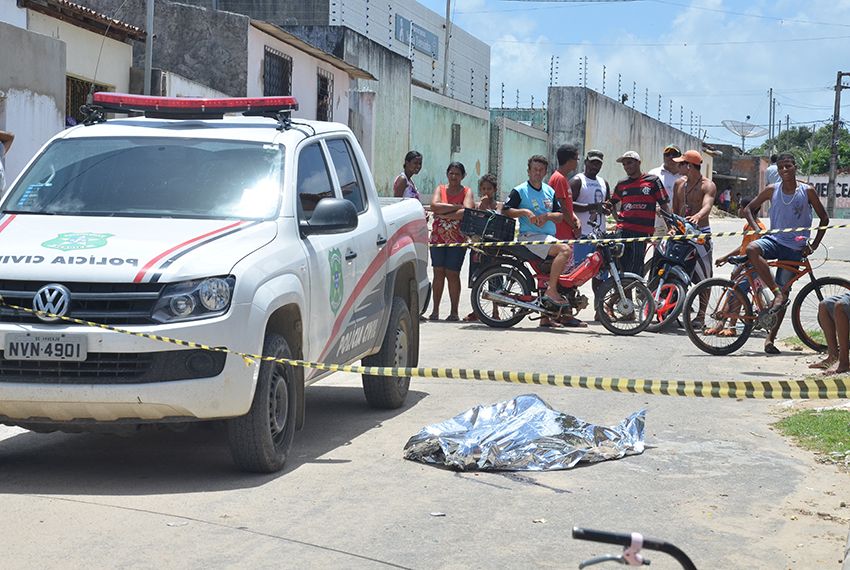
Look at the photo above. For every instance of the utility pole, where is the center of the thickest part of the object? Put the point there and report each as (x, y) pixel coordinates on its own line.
(448, 36)
(770, 113)
(148, 46)
(833, 155)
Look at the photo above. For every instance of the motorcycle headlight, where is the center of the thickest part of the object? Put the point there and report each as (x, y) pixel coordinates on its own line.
(197, 299)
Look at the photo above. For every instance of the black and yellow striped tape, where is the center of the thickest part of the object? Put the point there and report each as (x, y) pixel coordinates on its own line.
(820, 389)
(645, 238)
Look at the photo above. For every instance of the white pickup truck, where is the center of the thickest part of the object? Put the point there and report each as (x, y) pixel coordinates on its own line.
(257, 233)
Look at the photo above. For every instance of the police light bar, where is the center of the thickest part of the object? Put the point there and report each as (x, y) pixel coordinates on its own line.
(191, 107)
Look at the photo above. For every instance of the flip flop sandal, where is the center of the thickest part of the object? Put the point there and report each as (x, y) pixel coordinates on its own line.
(824, 364)
(452, 318)
(573, 322)
(728, 333)
(770, 348)
(546, 299)
(471, 317)
(551, 325)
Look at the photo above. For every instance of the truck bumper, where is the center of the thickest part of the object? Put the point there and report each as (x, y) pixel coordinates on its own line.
(172, 388)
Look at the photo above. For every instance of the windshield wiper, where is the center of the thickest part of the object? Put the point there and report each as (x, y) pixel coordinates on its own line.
(35, 213)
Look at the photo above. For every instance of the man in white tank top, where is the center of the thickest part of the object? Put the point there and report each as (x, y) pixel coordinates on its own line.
(669, 172)
(589, 192)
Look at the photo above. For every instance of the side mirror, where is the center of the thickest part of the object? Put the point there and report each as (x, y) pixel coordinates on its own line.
(331, 216)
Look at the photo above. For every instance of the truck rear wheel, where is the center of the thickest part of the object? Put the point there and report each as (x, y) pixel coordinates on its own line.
(260, 440)
(397, 350)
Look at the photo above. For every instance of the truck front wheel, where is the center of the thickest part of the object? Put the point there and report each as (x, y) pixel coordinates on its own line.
(397, 351)
(260, 440)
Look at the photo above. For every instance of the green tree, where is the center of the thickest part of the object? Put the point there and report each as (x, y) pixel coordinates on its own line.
(811, 147)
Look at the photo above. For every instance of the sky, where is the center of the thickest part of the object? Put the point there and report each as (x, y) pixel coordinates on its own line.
(716, 59)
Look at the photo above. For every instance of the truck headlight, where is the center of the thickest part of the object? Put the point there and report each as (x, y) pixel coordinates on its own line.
(196, 299)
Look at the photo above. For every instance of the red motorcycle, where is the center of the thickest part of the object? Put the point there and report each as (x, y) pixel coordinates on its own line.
(511, 282)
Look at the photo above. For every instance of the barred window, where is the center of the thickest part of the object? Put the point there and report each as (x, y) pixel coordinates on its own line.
(277, 73)
(76, 92)
(325, 101)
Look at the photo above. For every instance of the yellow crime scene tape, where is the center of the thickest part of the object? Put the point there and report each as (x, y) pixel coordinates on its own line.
(819, 389)
(644, 238)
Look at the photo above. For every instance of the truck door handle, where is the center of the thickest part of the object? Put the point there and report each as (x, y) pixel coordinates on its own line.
(350, 254)
(381, 240)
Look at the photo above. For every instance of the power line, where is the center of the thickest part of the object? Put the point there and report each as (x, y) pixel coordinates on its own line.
(675, 44)
(745, 14)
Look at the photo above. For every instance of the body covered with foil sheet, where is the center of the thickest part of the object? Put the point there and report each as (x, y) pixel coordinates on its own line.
(523, 434)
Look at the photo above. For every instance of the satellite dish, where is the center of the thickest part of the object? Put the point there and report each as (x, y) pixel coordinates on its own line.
(744, 130)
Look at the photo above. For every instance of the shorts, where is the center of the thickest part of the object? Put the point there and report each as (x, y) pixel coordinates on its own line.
(542, 250)
(449, 258)
(832, 303)
(633, 253)
(772, 249)
(704, 267)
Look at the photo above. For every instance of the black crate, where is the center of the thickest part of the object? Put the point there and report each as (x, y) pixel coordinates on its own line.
(487, 225)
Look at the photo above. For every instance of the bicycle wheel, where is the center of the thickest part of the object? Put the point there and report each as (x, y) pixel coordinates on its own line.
(804, 310)
(669, 300)
(721, 302)
(628, 314)
(500, 281)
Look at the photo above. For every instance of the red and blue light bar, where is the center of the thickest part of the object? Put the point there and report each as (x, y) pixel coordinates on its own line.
(183, 106)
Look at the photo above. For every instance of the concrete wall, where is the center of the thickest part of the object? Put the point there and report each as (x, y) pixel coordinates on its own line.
(388, 98)
(178, 86)
(511, 145)
(32, 92)
(205, 46)
(304, 82)
(590, 120)
(11, 14)
(469, 57)
(842, 193)
(431, 120)
(89, 56)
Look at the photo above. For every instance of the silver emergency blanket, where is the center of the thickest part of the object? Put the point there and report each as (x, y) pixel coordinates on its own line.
(523, 434)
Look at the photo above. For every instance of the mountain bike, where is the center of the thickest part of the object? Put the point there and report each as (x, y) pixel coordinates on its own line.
(720, 314)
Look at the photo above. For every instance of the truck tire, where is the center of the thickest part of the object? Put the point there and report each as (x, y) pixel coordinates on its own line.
(397, 350)
(260, 440)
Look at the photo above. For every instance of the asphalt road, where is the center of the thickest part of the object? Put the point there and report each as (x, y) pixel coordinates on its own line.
(716, 479)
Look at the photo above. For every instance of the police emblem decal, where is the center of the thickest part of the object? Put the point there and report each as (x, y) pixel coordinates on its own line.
(335, 263)
(73, 240)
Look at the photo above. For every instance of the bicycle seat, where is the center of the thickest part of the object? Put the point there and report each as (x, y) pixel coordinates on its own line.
(738, 259)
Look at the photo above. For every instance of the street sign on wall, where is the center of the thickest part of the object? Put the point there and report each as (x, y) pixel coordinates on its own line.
(413, 34)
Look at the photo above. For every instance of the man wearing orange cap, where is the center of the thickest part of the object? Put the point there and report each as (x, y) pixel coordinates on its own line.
(693, 196)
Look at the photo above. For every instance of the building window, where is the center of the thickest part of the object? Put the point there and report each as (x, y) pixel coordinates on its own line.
(277, 73)
(455, 137)
(76, 95)
(325, 97)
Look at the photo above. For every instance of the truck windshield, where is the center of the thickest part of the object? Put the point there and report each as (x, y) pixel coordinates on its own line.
(152, 177)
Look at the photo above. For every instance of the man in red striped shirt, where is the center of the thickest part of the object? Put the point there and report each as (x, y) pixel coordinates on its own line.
(639, 194)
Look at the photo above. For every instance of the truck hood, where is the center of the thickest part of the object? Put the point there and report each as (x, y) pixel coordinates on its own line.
(113, 249)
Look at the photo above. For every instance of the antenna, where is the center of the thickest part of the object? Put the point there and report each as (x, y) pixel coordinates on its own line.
(744, 129)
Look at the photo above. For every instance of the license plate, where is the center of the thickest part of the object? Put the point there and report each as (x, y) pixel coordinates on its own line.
(45, 346)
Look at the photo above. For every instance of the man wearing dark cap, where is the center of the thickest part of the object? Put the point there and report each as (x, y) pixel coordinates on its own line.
(669, 172)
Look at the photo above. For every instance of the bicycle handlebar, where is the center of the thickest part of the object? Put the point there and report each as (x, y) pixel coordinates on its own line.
(625, 540)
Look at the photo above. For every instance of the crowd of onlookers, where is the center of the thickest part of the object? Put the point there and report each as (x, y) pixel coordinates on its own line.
(566, 208)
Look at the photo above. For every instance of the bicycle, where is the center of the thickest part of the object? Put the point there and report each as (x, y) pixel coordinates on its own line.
(733, 308)
(632, 544)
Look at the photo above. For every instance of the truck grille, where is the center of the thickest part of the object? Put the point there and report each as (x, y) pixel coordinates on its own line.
(116, 368)
(107, 303)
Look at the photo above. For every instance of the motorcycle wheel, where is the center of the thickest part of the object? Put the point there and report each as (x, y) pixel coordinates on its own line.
(668, 303)
(627, 315)
(502, 280)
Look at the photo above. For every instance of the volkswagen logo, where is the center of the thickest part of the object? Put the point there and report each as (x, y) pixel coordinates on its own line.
(54, 299)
